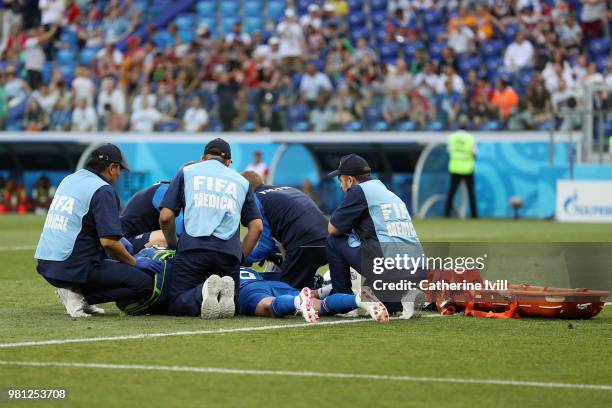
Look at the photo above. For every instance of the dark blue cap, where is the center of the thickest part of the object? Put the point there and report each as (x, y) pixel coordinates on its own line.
(351, 165)
(218, 147)
(110, 153)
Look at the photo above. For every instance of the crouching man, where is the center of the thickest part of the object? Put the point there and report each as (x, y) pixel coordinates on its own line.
(81, 225)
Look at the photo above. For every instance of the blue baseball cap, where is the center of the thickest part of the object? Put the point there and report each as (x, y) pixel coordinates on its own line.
(218, 147)
(110, 153)
(351, 165)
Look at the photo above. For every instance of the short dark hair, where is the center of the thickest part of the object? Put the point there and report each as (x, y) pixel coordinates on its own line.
(98, 165)
(362, 177)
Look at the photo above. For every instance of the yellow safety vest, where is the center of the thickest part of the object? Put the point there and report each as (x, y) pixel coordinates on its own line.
(461, 152)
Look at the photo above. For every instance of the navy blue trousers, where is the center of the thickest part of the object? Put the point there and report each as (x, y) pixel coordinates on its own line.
(341, 257)
(301, 264)
(190, 269)
(112, 281)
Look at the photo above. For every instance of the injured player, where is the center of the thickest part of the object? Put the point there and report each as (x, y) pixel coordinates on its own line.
(272, 298)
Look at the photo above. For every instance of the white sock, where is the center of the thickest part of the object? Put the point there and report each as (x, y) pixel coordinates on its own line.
(296, 301)
(324, 291)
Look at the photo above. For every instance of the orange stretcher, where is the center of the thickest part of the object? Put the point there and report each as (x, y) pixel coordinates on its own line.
(515, 301)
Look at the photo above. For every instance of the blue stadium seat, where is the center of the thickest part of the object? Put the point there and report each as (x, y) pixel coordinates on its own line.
(302, 6)
(248, 126)
(69, 37)
(360, 32)
(432, 18)
(411, 48)
(492, 48)
(380, 126)
(599, 47)
(168, 127)
(66, 56)
(493, 64)
(373, 114)
(524, 77)
(276, 9)
(379, 19)
(87, 55)
(378, 5)
(355, 5)
(381, 35)
(435, 50)
(357, 19)
(206, 8)
(434, 30)
(436, 125)
(602, 63)
(468, 63)
(490, 125)
(229, 8)
(510, 32)
(354, 126)
(227, 23)
(67, 71)
(253, 25)
(301, 126)
(187, 36)
(253, 8)
(388, 52)
(185, 21)
(297, 113)
(47, 72)
(406, 126)
(163, 39)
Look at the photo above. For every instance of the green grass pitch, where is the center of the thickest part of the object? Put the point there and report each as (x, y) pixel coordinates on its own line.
(413, 359)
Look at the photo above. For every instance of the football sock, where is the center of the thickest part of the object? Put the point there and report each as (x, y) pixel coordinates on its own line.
(283, 305)
(338, 303)
(324, 291)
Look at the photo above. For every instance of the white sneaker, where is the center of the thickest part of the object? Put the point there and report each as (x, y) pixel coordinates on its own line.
(306, 307)
(370, 303)
(227, 308)
(73, 302)
(210, 302)
(412, 304)
(93, 309)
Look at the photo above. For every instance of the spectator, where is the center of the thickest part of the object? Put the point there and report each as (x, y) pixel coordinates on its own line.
(291, 40)
(448, 104)
(3, 104)
(347, 108)
(61, 117)
(592, 15)
(419, 109)
(398, 77)
(165, 102)
(593, 76)
(560, 97)
(34, 55)
(363, 51)
(570, 34)
(90, 31)
(450, 75)
(268, 118)
(341, 7)
(16, 89)
(426, 83)
(146, 117)
(519, 54)
(395, 106)
(538, 103)
(84, 117)
(52, 12)
(115, 27)
(312, 19)
(83, 87)
(337, 60)
(108, 60)
(504, 99)
(321, 115)
(460, 38)
(484, 23)
(227, 93)
(314, 85)
(42, 195)
(111, 95)
(35, 118)
(144, 94)
(258, 166)
(196, 117)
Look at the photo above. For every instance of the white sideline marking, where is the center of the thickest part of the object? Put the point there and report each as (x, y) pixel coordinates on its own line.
(217, 370)
(179, 333)
(18, 248)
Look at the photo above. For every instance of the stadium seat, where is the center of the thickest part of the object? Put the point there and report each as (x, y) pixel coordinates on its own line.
(248, 126)
(354, 126)
(253, 25)
(253, 8)
(69, 37)
(510, 32)
(355, 5)
(406, 126)
(435, 50)
(227, 24)
(47, 72)
(302, 6)
(168, 127)
(67, 71)
(297, 113)
(381, 35)
(546, 125)
(206, 8)
(493, 64)
(163, 39)
(389, 52)
(433, 31)
(357, 19)
(66, 56)
(432, 18)
(360, 32)
(468, 63)
(380, 126)
(599, 47)
(490, 125)
(602, 63)
(301, 126)
(378, 5)
(411, 48)
(186, 36)
(492, 48)
(87, 55)
(276, 9)
(229, 8)
(379, 19)
(185, 21)
(435, 126)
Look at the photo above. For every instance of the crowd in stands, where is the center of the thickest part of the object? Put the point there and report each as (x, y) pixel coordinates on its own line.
(257, 65)
(15, 198)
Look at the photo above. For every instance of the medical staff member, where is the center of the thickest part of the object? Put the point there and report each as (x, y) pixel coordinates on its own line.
(294, 220)
(369, 217)
(214, 200)
(461, 164)
(81, 225)
(140, 218)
